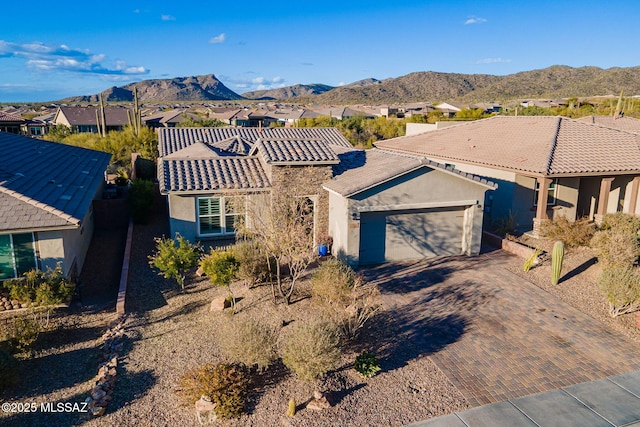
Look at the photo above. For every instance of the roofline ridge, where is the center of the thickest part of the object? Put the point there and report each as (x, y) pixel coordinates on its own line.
(554, 144)
(40, 205)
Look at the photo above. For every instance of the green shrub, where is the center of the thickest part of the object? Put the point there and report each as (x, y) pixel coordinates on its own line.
(573, 233)
(253, 266)
(312, 349)
(621, 286)
(140, 200)
(220, 267)
(44, 287)
(366, 364)
(8, 370)
(231, 385)
(174, 257)
(24, 332)
(248, 341)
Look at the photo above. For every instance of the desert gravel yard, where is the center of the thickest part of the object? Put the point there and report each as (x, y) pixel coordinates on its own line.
(431, 308)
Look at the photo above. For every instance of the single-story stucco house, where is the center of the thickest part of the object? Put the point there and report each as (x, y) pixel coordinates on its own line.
(46, 194)
(545, 166)
(405, 206)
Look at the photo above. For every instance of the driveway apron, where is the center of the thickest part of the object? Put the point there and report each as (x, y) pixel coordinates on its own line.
(510, 339)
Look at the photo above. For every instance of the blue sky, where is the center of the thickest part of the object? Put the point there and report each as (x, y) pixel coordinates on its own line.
(49, 51)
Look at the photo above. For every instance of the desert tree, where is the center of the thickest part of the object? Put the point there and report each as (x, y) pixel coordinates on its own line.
(173, 257)
(283, 225)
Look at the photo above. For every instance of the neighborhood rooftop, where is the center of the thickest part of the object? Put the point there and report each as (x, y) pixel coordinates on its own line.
(45, 184)
(174, 139)
(543, 145)
(361, 170)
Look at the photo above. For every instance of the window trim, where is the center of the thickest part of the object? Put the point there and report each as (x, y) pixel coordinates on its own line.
(553, 192)
(223, 215)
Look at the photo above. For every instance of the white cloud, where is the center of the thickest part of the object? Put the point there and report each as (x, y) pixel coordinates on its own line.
(277, 80)
(168, 18)
(258, 80)
(42, 57)
(220, 38)
(475, 20)
(493, 61)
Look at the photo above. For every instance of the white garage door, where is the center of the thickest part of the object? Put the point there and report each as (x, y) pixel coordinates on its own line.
(410, 234)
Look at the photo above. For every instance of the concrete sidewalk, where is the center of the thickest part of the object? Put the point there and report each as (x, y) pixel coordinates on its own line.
(613, 401)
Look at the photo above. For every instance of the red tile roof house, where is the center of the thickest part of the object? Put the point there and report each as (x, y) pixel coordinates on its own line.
(545, 166)
(85, 119)
(46, 194)
(372, 203)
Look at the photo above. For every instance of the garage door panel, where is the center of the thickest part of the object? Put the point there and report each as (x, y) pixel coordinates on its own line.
(412, 234)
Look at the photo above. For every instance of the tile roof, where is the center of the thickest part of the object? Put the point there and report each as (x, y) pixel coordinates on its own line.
(295, 151)
(11, 118)
(629, 124)
(115, 116)
(201, 175)
(46, 184)
(174, 139)
(360, 170)
(540, 145)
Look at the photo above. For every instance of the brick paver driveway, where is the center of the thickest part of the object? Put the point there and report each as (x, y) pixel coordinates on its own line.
(493, 334)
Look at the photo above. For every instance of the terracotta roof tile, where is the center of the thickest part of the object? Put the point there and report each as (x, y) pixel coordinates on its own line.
(540, 145)
(295, 151)
(201, 175)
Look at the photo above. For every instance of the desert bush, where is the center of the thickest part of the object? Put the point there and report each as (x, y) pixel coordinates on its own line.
(219, 266)
(312, 349)
(573, 233)
(253, 266)
(42, 287)
(615, 247)
(366, 364)
(140, 200)
(8, 370)
(621, 286)
(174, 257)
(507, 224)
(333, 282)
(195, 383)
(344, 297)
(248, 341)
(622, 222)
(231, 385)
(226, 384)
(24, 333)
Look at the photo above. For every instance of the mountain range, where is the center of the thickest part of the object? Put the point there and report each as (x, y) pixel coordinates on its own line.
(553, 82)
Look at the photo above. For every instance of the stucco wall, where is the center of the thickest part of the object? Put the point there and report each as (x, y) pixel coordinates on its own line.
(182, 216)
(424, 188)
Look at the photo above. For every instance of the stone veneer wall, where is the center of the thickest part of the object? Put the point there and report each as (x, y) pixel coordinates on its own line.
(306, 181)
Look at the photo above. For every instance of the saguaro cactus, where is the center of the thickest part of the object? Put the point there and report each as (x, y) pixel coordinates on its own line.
(556, 262)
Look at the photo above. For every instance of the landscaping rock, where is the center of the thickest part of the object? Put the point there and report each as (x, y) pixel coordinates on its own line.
(319, 402)
(219, 304)
(205, 410)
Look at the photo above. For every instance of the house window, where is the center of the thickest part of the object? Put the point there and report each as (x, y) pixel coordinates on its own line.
(551, 197)
(17, 255)
(219, 216)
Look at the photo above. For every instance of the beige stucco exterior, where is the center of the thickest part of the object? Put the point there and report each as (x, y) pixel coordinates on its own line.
(420, 191)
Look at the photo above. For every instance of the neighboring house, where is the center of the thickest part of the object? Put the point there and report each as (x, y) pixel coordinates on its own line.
(13, 123)
(168, 119)
(629, 124)
(545, 166)
(205, 171)
(86, 119)
(46, 194)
